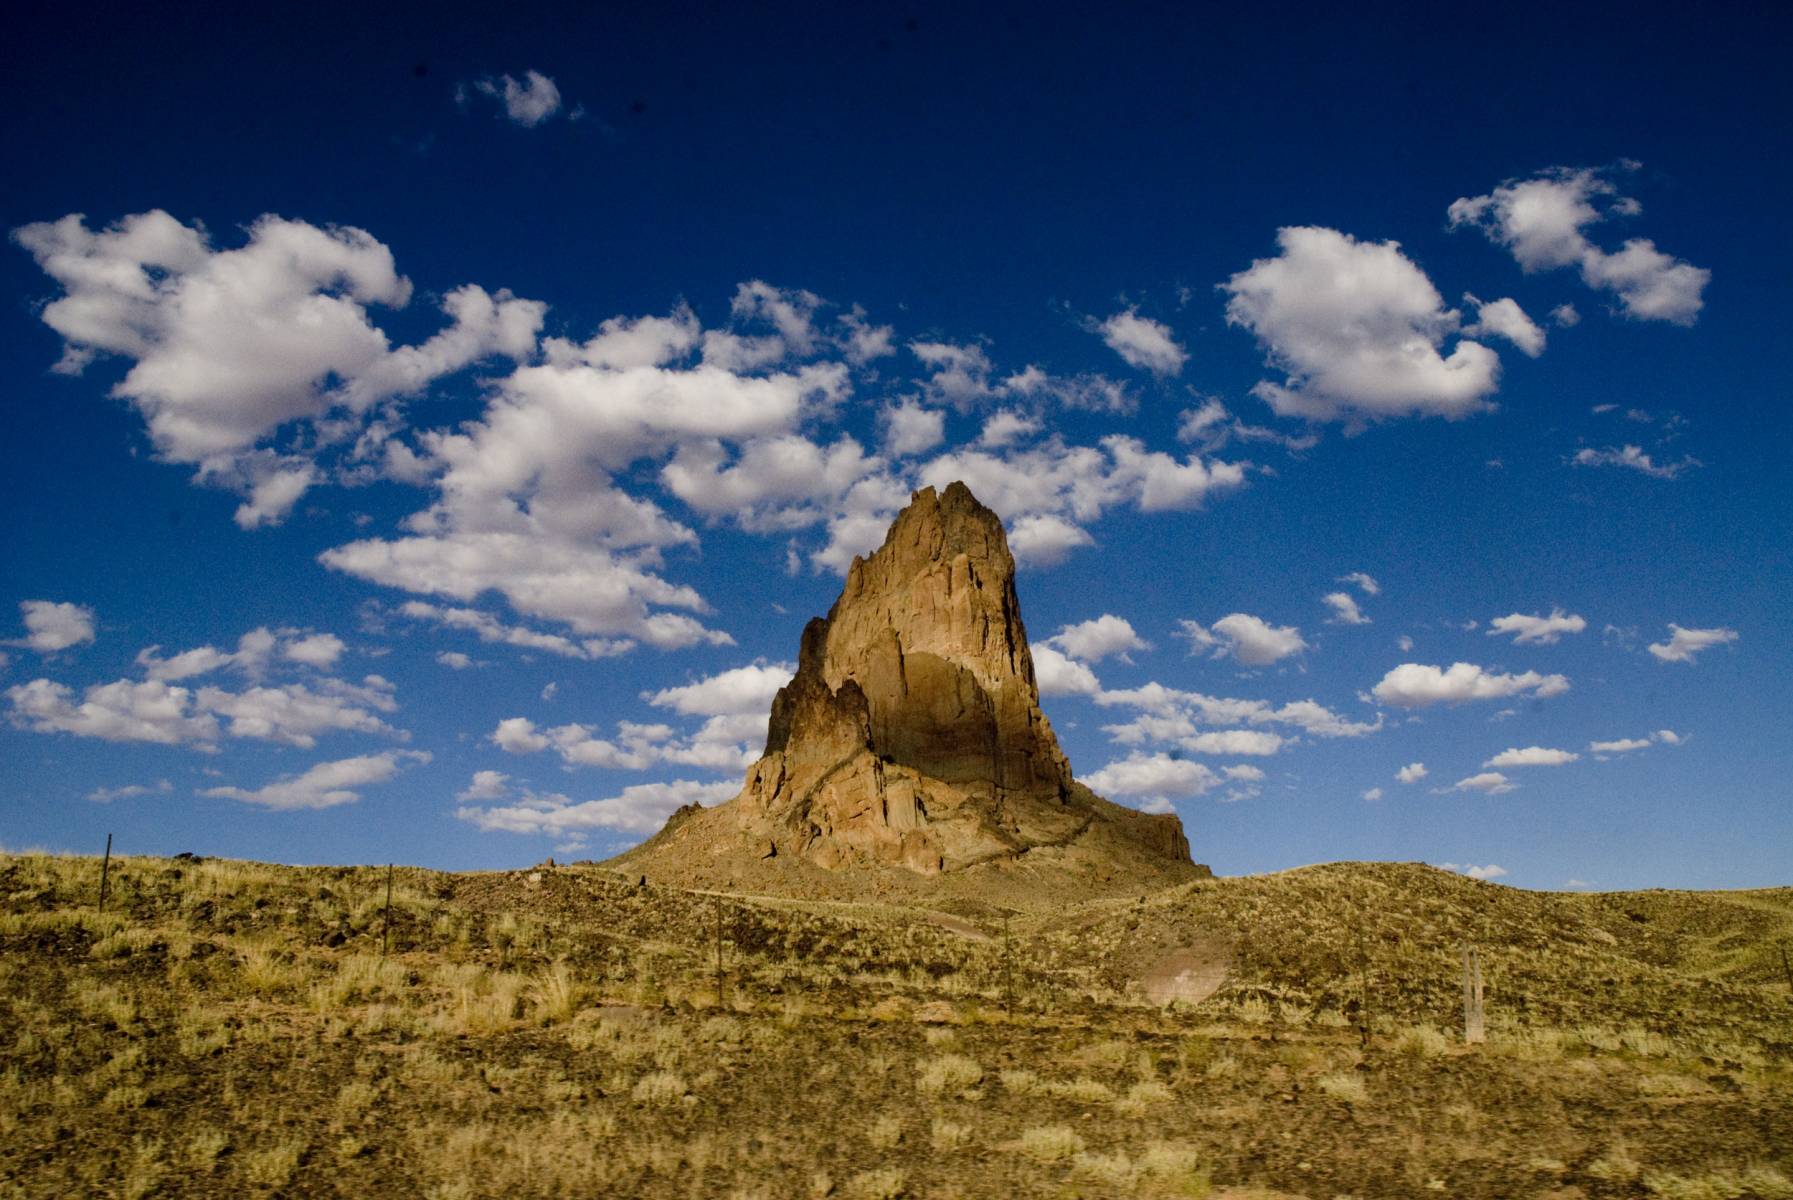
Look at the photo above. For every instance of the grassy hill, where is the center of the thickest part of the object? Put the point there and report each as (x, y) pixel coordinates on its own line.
(226, 1029)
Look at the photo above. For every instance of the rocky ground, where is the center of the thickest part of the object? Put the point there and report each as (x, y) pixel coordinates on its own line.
(227, 1029)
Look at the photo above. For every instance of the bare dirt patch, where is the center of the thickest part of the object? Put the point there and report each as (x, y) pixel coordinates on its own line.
(1189, 974)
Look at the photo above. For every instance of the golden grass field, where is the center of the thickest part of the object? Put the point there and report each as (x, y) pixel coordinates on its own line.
(233, 1029)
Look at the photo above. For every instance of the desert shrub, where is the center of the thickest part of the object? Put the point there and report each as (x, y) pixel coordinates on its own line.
(1616, 1165)
(1532, 1044)
(1646, 1042)
(1224, 1067)
(1111, 1055)
(947, 1136)
(1143, 1095)
(885, 1132)
(950, 1073)
(357, 977)
(1343, 1085)
(1254, 1010)
(1177, 1168)
(479, 1001)
(659, 1088)
(1022, 1083)
(104, 1002)
(143, 1170)
(1421, 1041)
(1752, 1183)
(124, 1098)
(355, 1098)
(885, 1184)
(122, 943)
(556, 994)
(272, 1166)
(263, 972)
(1081, 1090)
(1195, 1052)
(1115, 1170)
(1598, 1038)
(1050, 1143)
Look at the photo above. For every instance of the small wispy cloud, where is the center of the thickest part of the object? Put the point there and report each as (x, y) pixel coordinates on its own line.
(527, 101)
(1636, 459)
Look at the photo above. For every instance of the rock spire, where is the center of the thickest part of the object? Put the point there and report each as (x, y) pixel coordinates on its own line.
(912, 734)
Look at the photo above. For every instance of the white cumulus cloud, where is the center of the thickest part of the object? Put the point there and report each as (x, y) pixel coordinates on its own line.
(1491, 871)
(1142, 342)
(1417, 685)
(1153, 776)
(485, 785)
(1255, 742)
(1532, 756)
(489, 628)
(228, 346)
(639, 808)
(1504, 318)
(911, 429)
(1543, 221)
(1344, 609)
(1411, 773)
(327, 784)
(1059, 675)
(743, 690)
(1684, 645)
(121, 711)
(1251, 641)
(1357, 329)
(1098, 638)
(1492, 783)
(1543, 631)
(1177, 718)
(52, 625)
(320, 650)
(297, 715)
(1666, 737)
(1045, 540)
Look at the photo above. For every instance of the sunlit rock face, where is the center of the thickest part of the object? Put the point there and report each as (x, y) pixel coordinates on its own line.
(912, 734)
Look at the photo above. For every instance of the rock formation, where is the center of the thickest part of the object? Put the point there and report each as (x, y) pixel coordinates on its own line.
(912, 736)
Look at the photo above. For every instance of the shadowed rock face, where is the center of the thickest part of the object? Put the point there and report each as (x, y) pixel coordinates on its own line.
(912, 734)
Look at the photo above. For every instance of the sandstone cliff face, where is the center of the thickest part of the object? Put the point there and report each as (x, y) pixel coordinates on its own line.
(912, 734)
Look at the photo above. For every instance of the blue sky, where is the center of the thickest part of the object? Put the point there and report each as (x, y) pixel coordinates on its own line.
(427, 436)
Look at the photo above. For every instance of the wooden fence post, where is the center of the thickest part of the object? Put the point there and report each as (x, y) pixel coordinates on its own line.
(1008, 968)
(105, 872)
(1474, 1030)
(386, 924)
(719, 952)
(1363, 998)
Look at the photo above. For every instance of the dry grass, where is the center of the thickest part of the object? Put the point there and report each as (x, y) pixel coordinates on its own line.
(232, 1029)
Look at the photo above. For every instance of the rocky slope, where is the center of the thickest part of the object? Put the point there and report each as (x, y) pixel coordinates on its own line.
(911, 738)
